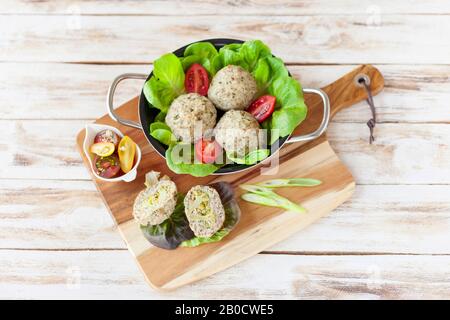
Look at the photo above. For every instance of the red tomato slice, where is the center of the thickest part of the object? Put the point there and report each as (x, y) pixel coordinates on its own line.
(107, 167)
(262, 107)
(197, 80)
(207, 150)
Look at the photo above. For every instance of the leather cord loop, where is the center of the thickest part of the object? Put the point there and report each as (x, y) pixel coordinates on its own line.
(372, 122)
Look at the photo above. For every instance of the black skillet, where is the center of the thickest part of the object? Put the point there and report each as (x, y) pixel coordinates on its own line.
(147, 113)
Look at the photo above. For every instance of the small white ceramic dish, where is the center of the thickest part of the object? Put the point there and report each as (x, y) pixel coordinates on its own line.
(91, 132)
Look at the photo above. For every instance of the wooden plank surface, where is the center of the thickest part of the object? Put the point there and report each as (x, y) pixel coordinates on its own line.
(298, 39)
(45, 149)
(235, 7)
(408, 91)
(113, 275)
(35, 214)
(395, 211)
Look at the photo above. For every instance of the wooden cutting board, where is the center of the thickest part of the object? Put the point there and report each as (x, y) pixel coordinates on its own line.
(259, 227)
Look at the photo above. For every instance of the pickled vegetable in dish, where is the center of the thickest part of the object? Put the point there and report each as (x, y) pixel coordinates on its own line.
(157, 202)
(107, 167)
(107, 135)
(126, 152)
(204, 210)
(102, 149)
(113, 156)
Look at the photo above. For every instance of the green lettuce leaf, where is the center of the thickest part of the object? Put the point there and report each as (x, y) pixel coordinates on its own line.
(160, 117)
(245, 55)
(252, 51)
(159, 125)
(267, 70)
(161, 132)
(252, 157)
(230, 54)
(201, 52)
(167, 82)
(232, 46)
(201, 49)
(164, 136)
(291, 108)
(190, 60)
(169, 70)
(175, 162)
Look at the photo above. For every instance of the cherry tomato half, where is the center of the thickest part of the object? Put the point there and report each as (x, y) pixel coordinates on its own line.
(262, 107)
(107, 136)
(197, 80)
(102, 149)
(207, 150)
(107, 167)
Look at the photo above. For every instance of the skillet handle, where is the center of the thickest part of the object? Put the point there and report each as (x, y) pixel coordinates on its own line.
(110, 99)
(325, 119)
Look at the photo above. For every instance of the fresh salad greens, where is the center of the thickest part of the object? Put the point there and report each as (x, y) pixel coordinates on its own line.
(161, 132)
(167, 82)
(175, 156)
(291, 107)
(270, 73)
(252, 157)
(160, 117)
(203, 53)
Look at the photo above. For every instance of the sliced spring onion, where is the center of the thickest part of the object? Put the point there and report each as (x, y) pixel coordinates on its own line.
(293, 182)
(261, 190)
(269, 198)
(273, 201)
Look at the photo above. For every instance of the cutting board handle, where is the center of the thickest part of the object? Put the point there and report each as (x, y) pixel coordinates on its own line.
(342, 93)
(346, 91)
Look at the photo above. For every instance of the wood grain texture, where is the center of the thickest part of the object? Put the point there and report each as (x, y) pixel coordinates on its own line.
(113, 275)
(47, 151)
(235, 7)
(78, 91)
(35, 214)
(54, 215)
(298, 39)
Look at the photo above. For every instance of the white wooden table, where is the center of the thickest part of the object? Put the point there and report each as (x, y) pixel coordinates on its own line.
(392, 240)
